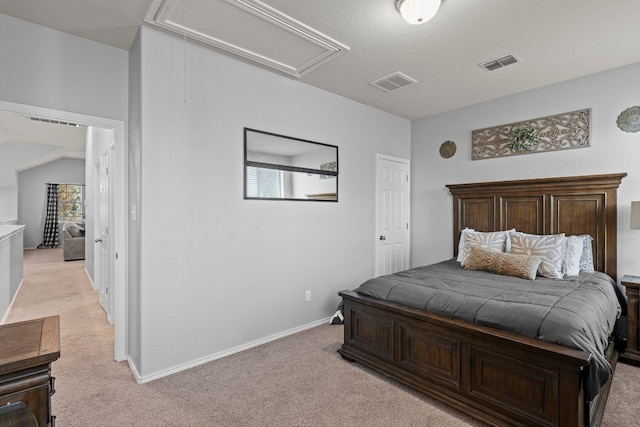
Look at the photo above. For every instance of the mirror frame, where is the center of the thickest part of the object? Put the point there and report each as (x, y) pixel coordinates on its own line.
(322, 197)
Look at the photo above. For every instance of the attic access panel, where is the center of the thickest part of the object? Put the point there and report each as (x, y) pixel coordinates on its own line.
(249, 29)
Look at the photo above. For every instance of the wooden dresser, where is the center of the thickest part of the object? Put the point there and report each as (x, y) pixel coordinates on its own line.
(26, 352)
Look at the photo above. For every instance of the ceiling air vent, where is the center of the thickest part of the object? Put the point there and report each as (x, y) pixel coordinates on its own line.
(393, 81)
(55, 122)
(499, 63)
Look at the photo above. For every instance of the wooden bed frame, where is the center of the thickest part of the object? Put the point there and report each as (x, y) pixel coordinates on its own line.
(497, 377)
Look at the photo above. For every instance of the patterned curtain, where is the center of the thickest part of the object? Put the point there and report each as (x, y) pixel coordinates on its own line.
(50, 237)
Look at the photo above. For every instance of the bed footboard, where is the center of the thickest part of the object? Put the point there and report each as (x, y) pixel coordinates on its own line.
(497, 377)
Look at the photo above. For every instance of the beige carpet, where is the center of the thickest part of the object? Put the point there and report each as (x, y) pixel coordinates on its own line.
(295, 381)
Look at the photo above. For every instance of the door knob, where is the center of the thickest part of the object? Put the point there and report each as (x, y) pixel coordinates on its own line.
(383, 237)
(98, 240)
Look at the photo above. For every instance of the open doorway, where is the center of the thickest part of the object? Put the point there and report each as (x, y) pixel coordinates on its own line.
(111, 131)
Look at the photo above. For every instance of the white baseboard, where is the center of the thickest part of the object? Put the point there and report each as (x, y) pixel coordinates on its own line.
(135, 372)
(93, 285)
(148, 378)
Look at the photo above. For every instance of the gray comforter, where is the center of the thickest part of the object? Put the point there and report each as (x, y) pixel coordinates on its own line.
(579, 312)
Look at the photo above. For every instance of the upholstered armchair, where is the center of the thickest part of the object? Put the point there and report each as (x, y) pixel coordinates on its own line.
(73, 241)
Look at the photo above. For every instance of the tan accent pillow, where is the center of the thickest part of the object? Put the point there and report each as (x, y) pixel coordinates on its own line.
(548, 247)
(523, 266)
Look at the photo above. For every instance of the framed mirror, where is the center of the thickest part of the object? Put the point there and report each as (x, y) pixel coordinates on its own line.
(278, 167)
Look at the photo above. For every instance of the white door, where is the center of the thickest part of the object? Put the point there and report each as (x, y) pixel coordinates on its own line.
(103, 266)
(392, 215)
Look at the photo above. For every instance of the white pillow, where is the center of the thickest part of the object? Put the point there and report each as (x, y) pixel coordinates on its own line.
(586, 260)
(463, 242)
(573, 246)
(548, 247)
(493, 241)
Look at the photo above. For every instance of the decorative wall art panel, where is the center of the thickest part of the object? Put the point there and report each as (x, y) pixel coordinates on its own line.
(551, 133)
(331, 166)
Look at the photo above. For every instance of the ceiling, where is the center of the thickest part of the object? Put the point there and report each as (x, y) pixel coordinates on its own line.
(555, 40)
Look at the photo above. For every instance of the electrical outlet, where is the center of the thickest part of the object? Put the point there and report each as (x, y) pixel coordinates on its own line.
(307, 296)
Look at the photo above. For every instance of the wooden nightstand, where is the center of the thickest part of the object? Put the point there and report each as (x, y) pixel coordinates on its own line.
(632, 353)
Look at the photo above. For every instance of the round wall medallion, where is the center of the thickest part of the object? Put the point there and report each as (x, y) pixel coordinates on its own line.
(447, 149)
(629, 119)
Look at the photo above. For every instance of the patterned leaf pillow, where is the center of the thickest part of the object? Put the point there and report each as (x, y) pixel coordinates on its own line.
(548, 247)
(494, 241)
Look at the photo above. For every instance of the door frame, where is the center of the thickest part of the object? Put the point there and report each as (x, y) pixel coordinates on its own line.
(120, 198)
(379, 157)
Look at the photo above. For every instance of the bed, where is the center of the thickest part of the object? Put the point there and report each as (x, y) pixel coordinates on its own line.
(495, 375)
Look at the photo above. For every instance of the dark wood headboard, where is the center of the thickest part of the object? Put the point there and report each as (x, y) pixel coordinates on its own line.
(572, 205)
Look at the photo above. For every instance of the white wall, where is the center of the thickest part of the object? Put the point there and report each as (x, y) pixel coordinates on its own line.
(607, 94)
(32, 193)
(48, 68)
(218, 272)
(8, 204)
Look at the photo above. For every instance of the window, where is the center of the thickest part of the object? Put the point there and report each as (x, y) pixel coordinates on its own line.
(70, 202)
(263, 182)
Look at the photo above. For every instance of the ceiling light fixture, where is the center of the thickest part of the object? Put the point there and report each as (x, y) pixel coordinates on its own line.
(418, 11)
